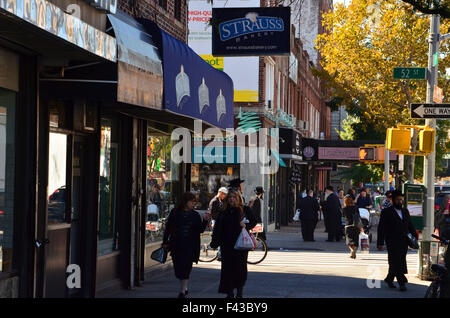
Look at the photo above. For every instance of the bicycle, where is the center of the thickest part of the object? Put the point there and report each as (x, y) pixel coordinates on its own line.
(256, 256)
(439, 288)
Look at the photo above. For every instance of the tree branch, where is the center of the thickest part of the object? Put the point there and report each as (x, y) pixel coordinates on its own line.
(431, 7)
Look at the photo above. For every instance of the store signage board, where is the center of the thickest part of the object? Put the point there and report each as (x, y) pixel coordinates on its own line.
(51, 18)
(430, 111)
(251, 31)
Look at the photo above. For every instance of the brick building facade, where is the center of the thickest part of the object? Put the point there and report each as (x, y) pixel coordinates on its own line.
(170, 15)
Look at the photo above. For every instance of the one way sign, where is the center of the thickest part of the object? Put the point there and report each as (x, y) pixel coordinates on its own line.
(430, 110)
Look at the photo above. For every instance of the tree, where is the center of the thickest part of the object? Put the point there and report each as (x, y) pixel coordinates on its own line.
(432, 7)
(363, 44)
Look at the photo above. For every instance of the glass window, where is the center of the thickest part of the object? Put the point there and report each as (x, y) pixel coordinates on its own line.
(206, 179)
(163, 4)
(7, 167)
(57, 171)
(108, 234)
(162, 180)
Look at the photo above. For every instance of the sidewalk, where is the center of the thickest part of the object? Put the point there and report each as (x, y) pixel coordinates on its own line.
(290, 238)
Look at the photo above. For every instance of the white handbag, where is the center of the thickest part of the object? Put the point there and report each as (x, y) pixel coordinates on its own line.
(297, 216)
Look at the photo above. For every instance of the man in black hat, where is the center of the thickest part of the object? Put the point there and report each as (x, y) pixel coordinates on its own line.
(235, 185)
(332, 211)
(309, 209)
(394, 226)
(255, 205)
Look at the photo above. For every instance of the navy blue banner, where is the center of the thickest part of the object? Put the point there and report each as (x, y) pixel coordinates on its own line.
(192, 87)
(251, 31)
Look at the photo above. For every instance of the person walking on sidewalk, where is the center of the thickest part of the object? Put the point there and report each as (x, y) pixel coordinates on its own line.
(309, 209)
(394, 226)
(353, 224)
(255, 205)
(333, 212)
(228, 227)
(182, 238)
(216, 204)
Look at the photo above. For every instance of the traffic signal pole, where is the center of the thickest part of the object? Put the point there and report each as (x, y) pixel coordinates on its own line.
(430, 160)
(386, 168)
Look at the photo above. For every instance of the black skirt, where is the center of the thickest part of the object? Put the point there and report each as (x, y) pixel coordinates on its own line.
(352, 235)
(182, 265)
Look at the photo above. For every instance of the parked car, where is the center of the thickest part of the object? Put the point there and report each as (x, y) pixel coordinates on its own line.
(57, 206)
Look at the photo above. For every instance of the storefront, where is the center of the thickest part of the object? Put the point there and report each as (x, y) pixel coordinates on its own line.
(91, 186)
(289, 176)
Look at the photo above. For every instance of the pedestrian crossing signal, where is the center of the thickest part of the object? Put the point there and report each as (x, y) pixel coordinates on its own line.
(367, 154)
(426, 141)
(398, 139)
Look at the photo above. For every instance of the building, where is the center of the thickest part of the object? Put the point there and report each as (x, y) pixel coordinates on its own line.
(90, 97)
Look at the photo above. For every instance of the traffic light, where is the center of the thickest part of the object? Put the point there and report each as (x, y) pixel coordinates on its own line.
(426, 141)
(367, 154)
(398, 139)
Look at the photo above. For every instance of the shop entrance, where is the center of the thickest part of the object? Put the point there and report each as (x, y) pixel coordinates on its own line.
(65, 212)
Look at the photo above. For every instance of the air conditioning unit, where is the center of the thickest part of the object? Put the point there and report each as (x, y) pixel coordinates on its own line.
(303, 125)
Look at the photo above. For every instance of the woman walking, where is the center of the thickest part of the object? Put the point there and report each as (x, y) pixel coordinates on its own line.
(353, 224)
(182, 238)
(234, 217)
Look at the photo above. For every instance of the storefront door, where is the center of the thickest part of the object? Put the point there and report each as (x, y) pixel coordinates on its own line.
(66, 184)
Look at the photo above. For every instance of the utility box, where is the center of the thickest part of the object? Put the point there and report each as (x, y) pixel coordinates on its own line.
(415, 202)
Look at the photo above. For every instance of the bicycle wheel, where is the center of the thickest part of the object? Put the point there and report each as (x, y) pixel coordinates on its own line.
(432, 291)
(259, 254)
(207, 254)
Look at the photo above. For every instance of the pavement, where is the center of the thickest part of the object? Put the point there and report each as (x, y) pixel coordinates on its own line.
(294, 269)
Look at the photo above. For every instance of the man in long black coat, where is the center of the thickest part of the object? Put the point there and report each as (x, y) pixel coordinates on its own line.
(394, 226)
(309, 208)
(333, 211)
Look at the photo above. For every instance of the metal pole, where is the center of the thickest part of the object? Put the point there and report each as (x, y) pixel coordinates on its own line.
(386, 168)
(430, 160)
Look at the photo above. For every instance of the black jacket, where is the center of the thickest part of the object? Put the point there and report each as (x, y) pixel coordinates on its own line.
(393, 230)
(183, 229)
(256, 208)
(309, 207)
(333, 211)
(215, 206)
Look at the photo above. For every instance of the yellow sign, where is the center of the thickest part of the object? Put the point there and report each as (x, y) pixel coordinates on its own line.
(216, 62)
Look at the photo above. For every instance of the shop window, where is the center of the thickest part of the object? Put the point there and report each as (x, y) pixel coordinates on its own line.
(206, 179)
(7, 167)
(108, 232)
(162, 182)
(57, 171)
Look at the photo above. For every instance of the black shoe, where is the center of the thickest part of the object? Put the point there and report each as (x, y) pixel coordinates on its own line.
(186, 292)
(181, 295)
(390, 284)
(403, 288)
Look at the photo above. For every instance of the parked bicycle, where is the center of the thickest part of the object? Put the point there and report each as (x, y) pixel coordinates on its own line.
(256, 256)
(440, 287)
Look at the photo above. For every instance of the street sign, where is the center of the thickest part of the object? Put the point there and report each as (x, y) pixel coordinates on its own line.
(430, 110)
(410, 73)
(435, 59)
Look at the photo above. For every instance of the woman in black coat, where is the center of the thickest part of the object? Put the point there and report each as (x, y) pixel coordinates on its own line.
(182, 238)
(352, 224)
(226, 232)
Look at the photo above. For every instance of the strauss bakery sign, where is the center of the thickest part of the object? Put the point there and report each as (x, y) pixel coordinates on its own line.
(106, 5)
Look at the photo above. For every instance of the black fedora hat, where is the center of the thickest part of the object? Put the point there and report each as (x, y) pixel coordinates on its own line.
(235, 182)
(259, 190)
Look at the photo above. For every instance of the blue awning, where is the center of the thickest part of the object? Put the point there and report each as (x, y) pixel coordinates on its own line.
(140, 74)
(192, 87)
